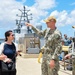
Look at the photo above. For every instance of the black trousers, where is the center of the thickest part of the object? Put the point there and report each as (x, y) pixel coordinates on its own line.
(8, 73)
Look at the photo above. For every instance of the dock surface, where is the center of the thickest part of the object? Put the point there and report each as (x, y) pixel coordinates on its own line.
(30, 66)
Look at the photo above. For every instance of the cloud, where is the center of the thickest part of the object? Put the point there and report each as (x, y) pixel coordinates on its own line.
(72, 3)
(8, 11)
(23, 1)
(64, 18)
(40, 9)
(45, 4)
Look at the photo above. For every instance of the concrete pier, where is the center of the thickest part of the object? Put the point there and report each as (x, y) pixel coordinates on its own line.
(30, 66)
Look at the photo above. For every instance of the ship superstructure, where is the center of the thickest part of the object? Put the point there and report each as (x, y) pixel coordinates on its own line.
(27, 40)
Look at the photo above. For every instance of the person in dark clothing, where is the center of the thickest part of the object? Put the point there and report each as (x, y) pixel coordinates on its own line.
(8, 52)
(66, 40)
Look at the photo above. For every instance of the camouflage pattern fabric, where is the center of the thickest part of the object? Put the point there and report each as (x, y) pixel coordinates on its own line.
(52, 48)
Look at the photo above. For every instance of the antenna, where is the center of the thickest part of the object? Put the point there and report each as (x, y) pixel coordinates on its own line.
(24, 17)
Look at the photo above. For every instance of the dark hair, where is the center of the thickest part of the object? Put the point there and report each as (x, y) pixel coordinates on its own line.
(7, 33)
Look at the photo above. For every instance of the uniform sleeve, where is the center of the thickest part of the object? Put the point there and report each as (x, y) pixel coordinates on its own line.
(1, 48)
(37, 31)
(58, 48)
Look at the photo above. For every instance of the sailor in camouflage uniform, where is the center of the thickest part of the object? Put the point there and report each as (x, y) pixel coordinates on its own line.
(52, 47)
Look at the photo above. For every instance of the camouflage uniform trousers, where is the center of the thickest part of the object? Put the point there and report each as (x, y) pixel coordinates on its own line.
(46, 70)
(73, 66)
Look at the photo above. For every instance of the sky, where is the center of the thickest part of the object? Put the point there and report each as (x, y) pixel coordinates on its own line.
(63, 10)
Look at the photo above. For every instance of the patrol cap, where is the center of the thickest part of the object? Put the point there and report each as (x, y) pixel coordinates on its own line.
(51, 18)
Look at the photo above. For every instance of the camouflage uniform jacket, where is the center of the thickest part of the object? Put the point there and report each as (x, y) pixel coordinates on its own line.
(53, 45)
